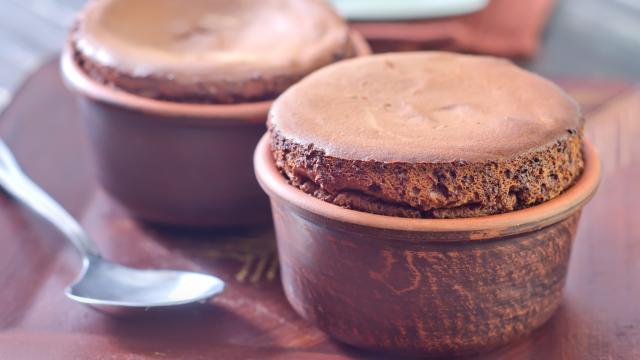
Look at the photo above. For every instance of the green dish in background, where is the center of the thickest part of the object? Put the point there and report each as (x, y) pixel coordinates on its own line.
(381, 10)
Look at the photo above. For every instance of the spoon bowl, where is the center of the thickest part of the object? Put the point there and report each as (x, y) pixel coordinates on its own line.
(102, 282)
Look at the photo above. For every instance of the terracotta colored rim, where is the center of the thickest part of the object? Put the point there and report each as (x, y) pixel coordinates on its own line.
(478, 228)
(253, 112)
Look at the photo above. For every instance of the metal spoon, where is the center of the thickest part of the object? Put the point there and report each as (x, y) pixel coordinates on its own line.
(101, 282)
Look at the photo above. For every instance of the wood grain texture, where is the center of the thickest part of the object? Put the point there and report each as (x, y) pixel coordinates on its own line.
(598, 319)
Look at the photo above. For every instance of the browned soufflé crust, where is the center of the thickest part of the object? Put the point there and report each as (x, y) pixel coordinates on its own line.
(415, 176)
(212, 51)
(426, 190)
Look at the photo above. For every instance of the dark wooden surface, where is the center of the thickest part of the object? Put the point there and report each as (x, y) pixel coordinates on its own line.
(599, 318)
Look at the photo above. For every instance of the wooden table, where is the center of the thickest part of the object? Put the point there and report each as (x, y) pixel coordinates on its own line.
(600, 317)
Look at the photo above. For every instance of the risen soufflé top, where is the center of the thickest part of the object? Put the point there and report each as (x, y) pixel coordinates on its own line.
(428, 135)
(216, 51)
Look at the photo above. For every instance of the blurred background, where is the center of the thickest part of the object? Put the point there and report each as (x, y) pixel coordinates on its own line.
(582, 38)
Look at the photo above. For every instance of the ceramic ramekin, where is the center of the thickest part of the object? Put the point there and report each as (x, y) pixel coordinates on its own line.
(176, 163)
(423, 287)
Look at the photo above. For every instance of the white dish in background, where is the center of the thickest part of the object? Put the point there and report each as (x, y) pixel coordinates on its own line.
(405, 9)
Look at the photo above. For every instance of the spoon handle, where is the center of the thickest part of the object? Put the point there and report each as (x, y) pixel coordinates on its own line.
(18, 184)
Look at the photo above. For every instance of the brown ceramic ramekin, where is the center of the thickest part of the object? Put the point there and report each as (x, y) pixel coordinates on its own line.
(176, 163)
(423, 287)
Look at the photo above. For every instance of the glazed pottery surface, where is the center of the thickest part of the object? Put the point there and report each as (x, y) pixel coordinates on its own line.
(176, 163)
(423, 287)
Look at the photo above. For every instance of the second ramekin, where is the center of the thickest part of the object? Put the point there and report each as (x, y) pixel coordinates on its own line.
(176, 163)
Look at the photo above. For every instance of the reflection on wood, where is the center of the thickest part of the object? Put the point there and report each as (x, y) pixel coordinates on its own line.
(246, 255)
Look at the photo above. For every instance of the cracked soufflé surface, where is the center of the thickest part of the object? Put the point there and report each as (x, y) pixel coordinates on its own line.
(428, 135)
(211, 51)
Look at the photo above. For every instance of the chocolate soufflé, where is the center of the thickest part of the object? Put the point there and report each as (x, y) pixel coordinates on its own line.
(207, 51)
(428, 135)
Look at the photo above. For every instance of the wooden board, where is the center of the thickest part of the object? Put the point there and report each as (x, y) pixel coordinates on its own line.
(599, 318)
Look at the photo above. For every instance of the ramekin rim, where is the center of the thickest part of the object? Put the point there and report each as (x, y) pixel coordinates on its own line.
(476, 228)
